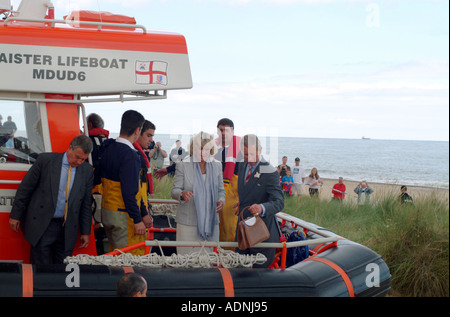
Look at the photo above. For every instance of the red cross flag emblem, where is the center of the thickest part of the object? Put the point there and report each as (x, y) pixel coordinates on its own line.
(151, 72)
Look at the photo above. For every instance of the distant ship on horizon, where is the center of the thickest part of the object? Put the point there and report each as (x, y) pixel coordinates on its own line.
(364, 138)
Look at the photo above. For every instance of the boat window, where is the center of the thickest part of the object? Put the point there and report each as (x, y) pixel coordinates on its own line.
(21, 137)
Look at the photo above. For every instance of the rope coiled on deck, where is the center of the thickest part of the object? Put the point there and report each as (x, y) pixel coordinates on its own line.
(199, 259)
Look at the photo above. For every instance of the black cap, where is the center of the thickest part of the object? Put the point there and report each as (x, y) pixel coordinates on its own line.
(297, 159)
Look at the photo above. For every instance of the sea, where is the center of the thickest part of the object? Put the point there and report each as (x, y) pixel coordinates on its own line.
(413, 163)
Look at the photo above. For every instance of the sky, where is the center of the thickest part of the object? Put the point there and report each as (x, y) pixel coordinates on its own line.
(298, 68)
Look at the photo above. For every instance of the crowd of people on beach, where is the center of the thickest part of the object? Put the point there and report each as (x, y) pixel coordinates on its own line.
(293, 179)
(215, 180)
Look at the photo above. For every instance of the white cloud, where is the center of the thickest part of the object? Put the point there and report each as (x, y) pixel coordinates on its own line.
(425, 69)
(282, 2)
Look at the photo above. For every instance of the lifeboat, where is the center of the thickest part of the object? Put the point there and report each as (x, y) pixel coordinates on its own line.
(333, 267)
(48, 70)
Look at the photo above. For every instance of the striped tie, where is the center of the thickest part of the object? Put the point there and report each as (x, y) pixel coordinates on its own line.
(249, 173)
(66, 205)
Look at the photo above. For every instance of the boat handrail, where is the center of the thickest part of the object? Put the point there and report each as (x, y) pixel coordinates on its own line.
(225, 244)
(98, 24)
(304, 225)
(78, 99)
(9, 182)
(163, 201)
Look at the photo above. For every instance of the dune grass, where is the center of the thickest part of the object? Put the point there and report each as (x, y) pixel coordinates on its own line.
(413, 239)
(163, 187)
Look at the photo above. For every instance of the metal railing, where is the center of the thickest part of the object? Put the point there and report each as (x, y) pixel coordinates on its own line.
(325, 243)
(121, 97)
(99, 25)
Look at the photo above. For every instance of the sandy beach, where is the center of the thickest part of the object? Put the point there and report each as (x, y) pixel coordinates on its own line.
(380, 189)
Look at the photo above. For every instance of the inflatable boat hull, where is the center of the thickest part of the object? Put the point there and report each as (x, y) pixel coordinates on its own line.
(349, 269)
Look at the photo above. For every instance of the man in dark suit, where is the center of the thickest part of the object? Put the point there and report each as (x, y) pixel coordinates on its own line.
(259, 188)
(49, 219)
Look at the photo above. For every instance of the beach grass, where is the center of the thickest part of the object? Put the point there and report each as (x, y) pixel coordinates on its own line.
(413, 239)
(163, 187)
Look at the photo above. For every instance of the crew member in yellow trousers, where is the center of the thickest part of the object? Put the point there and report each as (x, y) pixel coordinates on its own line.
(124, 215)
(143, 142)
(229, 154)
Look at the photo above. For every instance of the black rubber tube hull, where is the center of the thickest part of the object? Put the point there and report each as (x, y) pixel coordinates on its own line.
(307, 278)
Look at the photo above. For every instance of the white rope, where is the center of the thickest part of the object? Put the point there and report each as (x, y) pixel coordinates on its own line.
(168, 210)
(164, 209)
(199, 259)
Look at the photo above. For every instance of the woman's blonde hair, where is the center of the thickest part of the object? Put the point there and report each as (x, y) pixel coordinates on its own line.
(200, 140)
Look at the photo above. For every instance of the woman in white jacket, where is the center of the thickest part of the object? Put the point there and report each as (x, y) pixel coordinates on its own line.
(314, 182)
(198, 185)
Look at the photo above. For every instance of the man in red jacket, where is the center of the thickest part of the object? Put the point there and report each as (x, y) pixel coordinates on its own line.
(339, 190)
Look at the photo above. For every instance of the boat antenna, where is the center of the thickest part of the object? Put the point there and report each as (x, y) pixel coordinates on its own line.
(99, 11)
